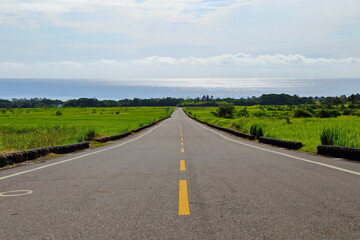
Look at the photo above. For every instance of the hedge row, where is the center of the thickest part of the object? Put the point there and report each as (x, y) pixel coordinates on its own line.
(281, 143)
(341, 152)
(22, 156)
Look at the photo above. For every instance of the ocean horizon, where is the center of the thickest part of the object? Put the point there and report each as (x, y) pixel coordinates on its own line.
(65, 89)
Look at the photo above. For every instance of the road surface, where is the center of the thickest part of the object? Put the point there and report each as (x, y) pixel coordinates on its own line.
(182, 180)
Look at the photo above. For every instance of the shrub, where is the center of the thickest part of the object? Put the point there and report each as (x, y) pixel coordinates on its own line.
(329, 136)
(348, 112)
(243, 113)
(58, 113)
(300, 113)
(285, 116)
(335, 113)
(214, 113)
(322, 114)
(89, 135)
(327, 113)
(261, 113)
(256, 130)
(225, 110)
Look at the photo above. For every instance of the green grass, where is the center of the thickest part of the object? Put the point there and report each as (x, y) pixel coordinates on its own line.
(22, 129)
(305, 130)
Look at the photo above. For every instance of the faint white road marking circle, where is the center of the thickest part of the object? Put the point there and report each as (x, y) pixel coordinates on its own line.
(16, 193)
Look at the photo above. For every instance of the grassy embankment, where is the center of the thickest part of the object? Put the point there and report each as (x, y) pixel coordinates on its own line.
(22, 129)
(305, 130)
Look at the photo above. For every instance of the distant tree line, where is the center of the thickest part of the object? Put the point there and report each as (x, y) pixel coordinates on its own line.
(206, 100)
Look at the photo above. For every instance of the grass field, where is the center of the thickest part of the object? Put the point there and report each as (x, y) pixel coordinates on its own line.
(305, 130)
(22, 129)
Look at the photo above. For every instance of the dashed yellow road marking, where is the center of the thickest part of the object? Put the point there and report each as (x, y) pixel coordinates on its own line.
(182, 139)
(182, 165)
(184, 208)
(182, 143)
(182, 150)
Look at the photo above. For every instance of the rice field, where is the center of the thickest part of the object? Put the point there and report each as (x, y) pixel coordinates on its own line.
(22, 129)
(305, 130)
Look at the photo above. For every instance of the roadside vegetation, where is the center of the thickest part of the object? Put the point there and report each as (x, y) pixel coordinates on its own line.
(28, 128)
(311, 124)
(37, 122)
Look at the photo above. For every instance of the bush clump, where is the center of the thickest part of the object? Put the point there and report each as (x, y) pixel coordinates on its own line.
(301, 113)
(89, 135)
(243, 113)
(225, 110)
(256, 130)
(327, 113)
(348, 112)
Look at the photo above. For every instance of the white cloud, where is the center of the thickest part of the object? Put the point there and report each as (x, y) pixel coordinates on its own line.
(225, 59)
(256, 26)
(11, 64)
(220, 66)
(71, 64)
(156, 60)
(245, 59)
(106, 62)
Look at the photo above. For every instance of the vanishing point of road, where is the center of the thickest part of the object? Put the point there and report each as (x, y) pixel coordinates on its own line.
(182, 180)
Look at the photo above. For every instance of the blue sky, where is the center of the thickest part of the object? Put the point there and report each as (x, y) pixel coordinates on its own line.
(133, 39)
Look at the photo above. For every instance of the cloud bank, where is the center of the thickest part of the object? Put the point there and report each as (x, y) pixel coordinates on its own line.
(227, 65)
(244, 59)
(226, 59)
(179, 38)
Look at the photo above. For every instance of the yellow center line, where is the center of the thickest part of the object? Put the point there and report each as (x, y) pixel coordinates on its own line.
(182, 150)
(182, 139)
(182, 143)
(182, 165)
(184, 208)
(181, 134)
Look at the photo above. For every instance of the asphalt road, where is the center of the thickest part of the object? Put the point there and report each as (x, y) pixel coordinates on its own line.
(225, 188)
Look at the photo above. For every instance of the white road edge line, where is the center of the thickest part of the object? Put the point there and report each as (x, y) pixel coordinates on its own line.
(283, 154)
(85, 155)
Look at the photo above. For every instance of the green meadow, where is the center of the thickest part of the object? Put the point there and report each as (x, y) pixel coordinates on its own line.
(22, 129)
(281, 124)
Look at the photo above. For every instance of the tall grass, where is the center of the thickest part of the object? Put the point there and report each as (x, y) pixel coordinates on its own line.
(22, 129)
(330, 136)
(306, 130)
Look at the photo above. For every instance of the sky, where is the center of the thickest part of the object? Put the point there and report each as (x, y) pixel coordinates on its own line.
(154, 39)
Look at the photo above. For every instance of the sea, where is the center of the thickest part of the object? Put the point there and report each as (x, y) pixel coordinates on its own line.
(64, 89)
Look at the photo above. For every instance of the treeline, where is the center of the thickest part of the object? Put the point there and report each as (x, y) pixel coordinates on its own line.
(206, 100)
(29, 103)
